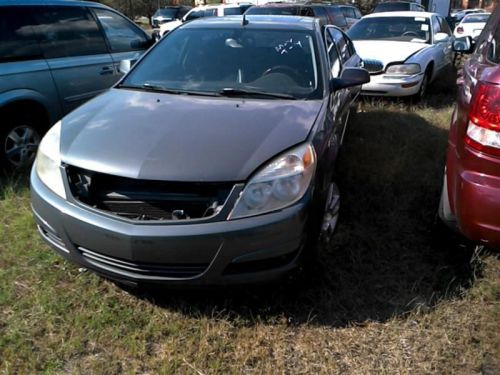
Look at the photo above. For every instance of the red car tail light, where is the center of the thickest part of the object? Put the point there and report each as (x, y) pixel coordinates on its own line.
(483, 130)
(460, 29)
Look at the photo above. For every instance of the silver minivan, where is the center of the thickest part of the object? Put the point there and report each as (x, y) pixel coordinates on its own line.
(54, 56)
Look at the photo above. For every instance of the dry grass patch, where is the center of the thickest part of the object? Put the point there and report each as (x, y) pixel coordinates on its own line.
(390, 295)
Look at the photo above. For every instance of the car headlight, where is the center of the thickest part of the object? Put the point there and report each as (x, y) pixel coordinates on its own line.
(279, 184)
(404, 69)
(48, 161)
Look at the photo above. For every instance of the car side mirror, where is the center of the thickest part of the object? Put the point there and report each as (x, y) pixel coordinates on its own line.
(125, 66)
(441, 37)
(463, 44)
(350, 77)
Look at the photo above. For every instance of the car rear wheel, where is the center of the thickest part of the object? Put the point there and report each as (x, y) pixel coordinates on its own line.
(19, 142)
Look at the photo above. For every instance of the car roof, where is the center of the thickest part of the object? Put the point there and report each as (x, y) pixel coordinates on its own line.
(50, 3)
(257, 21)
(402, 14)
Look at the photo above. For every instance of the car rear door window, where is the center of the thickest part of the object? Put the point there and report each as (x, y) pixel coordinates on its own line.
(333, 54)
(68, 31)
(343, 47)
(17, 40)
(444, 27)
(123, 36)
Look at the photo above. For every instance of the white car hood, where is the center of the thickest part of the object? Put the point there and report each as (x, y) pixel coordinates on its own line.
(387, 51)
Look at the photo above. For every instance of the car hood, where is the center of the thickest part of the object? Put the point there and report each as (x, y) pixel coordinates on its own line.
(387, 51)
(155, 136)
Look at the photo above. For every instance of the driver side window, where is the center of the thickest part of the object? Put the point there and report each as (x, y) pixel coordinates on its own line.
(333, 55)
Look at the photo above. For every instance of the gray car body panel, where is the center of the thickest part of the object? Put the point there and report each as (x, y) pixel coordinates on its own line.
(138, 135)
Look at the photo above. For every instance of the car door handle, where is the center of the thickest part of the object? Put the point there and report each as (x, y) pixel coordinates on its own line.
(107, 70)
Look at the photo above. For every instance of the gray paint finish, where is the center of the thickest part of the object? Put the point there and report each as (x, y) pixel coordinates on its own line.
(182, 138)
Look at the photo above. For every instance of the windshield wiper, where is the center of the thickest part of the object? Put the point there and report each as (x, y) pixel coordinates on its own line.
(242, 92)
(158, 88)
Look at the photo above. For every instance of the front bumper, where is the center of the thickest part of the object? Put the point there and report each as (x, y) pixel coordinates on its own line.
(389, 85)
(249, 250)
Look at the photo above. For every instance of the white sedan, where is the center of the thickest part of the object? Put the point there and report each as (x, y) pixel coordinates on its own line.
(471, 25)
(403, 51)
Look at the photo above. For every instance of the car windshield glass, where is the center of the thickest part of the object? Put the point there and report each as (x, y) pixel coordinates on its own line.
(403, 29)
(213, 60)
(167, 13)
(392, 7)
(476, 18)
(281, 10)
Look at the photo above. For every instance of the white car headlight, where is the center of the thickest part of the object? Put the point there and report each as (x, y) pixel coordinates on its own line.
(279, 184)
(404, 69)
(48, 161)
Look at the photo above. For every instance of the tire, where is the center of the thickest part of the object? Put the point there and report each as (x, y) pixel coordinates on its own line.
(422, 91)
(19, 141)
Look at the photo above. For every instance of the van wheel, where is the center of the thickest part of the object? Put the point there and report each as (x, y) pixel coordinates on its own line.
(19, 142)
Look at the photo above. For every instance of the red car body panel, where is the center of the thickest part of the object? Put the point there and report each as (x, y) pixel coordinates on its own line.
(473, 176)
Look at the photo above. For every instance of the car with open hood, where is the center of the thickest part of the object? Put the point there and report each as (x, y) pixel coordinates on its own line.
(403, 51)
(211, 162)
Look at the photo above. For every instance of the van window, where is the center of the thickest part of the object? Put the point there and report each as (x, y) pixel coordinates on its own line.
(17, 41)
(232, 11)
(67, 31)
(122, 35)
(336, 16)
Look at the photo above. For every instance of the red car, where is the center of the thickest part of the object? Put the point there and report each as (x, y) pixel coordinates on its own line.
(470, 200)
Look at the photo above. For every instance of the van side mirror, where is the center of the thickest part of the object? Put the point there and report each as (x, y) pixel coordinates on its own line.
(125, 66)
(350, 77)
(463, 44)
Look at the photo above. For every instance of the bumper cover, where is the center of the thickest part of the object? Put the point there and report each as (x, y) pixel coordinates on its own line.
(250, 250)
(389, 85)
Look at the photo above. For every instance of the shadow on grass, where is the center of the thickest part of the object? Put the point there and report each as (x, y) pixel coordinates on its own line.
(385, 259)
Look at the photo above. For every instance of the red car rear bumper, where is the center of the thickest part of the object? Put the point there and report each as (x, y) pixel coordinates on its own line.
(474, 198)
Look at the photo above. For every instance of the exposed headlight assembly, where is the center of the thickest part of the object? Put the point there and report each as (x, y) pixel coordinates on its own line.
(48, 161)
(279, 184)
(403, 69)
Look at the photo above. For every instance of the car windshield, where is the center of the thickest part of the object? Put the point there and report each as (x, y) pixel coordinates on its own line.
(403, 29)
(392, 7)
(167, 13)
(216, 61)
(280, 10)
(476, 18)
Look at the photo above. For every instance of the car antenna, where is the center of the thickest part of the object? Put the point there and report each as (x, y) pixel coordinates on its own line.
(245, 21)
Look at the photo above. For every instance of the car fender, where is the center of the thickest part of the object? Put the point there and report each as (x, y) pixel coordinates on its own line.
(424, 58)
(52, 109)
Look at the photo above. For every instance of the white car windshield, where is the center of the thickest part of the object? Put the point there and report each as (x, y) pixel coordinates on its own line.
(217, 60)
(476, 18)
(402, 29)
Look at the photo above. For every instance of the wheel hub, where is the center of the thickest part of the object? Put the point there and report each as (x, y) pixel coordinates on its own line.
(20, 145)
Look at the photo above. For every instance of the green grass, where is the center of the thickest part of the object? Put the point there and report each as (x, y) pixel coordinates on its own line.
(388, 296)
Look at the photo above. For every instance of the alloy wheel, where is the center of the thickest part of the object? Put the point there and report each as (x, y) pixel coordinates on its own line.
(20, 145)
